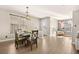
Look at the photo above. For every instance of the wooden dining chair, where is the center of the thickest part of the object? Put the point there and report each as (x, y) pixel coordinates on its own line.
(34, 38)
(18, 41)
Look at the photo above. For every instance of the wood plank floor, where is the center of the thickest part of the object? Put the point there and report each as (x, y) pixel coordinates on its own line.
(46, 45)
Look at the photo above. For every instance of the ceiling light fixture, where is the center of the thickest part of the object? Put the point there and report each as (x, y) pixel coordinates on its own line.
(27, 15)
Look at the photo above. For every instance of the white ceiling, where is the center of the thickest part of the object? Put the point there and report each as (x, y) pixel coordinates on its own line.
(59, 11)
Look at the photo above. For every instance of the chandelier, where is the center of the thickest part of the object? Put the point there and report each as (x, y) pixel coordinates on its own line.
(27, 15)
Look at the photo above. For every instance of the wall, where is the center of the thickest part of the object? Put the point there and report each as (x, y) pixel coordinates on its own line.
(4, 23)
(75, 25)
(6, 20)
(45, 26)
(35, 23)
(53, 26)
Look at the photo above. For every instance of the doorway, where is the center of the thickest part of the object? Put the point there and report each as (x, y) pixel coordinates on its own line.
(65, 26)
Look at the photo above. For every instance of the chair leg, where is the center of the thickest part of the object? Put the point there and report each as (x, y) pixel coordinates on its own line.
(16, 45)
(36, 45)
(31, 47)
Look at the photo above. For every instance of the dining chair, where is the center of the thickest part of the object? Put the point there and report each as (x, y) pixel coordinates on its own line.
(33, 39)
(18, 40)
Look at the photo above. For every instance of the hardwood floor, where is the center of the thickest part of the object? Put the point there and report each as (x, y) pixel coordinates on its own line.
(59, 45)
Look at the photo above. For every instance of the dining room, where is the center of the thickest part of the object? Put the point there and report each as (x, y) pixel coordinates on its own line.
(33, 29)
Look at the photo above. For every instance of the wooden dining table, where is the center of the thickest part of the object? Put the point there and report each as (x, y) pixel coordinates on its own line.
(25, 37)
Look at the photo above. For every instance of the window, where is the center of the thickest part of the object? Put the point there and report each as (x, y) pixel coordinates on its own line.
(14, 27)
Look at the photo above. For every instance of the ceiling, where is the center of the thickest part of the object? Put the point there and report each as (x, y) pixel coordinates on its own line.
(58, 11)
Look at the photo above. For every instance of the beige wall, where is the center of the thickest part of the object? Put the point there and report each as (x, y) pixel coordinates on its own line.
(4, 23)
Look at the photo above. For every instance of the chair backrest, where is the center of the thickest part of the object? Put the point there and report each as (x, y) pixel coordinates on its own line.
(78, 35)
(35, 34)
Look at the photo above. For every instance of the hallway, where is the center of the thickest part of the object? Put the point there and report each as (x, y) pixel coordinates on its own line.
(60, 45)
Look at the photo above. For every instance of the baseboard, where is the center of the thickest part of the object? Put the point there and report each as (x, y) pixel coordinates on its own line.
(6, 40)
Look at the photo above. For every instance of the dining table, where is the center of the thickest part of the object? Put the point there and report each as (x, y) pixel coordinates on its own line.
(26, 37)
